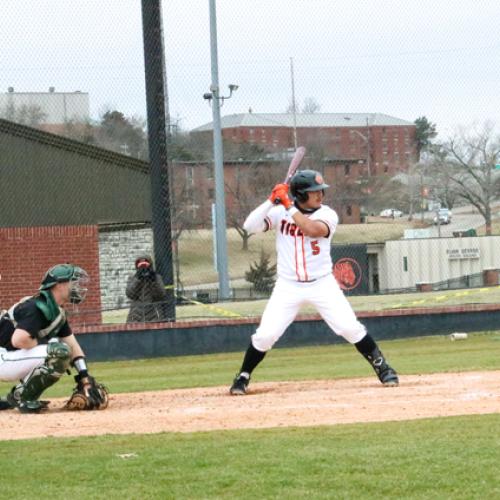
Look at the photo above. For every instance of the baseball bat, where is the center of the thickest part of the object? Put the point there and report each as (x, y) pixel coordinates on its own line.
(294, 165)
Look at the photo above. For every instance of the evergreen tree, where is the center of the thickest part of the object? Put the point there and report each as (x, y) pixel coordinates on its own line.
(261, 274)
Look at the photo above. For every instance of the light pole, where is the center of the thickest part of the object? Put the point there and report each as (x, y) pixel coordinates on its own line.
(217, 101)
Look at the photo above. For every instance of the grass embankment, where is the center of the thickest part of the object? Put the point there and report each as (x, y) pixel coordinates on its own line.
(196, 268)
(196, 259)
(247, 309)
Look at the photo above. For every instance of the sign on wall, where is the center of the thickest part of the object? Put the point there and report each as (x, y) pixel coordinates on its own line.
(350, 268)
(463, 253)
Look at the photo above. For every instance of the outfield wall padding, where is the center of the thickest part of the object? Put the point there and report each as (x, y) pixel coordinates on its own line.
(137, 341)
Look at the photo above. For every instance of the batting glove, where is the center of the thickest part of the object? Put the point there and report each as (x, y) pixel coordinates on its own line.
(277, 192)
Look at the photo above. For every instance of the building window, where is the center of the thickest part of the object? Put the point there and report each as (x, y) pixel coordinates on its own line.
(348, 210)
(210, 172)
(347, 169)
(210, 193)
(189, 176)
(405, 264)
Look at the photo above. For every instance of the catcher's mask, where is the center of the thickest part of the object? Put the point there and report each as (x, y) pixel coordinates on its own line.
(305, 181)
(62, 273)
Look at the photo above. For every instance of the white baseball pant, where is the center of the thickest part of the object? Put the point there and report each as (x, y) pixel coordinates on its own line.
(15, 365)
(287, 298)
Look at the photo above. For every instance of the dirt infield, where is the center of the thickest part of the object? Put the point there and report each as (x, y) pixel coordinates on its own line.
(277, 404)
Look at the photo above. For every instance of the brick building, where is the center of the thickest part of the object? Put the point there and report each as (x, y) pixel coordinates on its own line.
(382, 144)
(248, 182)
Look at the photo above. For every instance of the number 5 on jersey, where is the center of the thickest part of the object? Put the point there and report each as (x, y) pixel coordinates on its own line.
(315, 247)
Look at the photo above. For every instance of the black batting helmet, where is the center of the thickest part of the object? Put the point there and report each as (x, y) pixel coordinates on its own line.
(305, 181)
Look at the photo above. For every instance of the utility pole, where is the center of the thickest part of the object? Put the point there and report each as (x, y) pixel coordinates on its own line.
(368, 149)
(294, 105)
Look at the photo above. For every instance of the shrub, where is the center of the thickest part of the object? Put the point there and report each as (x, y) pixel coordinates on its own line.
(261, 273)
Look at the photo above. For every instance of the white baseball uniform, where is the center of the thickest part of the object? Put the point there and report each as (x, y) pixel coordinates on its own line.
(304, 276)
(15, 365)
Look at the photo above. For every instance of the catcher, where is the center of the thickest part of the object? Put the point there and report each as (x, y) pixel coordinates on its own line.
(37, 346)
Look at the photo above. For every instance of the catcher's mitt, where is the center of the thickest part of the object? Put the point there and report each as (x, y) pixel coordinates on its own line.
(88, 395)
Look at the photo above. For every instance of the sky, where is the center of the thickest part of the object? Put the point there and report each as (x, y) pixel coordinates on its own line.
(406, 59)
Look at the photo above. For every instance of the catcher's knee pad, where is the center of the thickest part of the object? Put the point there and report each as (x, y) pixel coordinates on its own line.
(43, 376)
(32, 386)
(58, 357)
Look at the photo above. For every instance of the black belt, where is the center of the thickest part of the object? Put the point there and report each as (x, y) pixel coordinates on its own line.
(312, 281)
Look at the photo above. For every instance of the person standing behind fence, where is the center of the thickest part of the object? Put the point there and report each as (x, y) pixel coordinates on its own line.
(147, 293)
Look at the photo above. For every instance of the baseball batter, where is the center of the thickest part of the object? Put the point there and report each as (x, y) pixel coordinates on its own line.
(304, 228)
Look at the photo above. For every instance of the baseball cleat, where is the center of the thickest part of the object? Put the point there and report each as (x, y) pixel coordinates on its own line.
(239, 387)
(25, 406)
(31, 407)
(389, 378)
(385, 373)
(5, 405)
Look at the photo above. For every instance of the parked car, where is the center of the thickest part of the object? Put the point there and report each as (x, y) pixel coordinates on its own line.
(443, 216)
(391, 212)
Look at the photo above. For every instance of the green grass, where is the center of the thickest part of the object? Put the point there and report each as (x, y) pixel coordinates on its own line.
(409, 356)
(455, 457)
(426, 459)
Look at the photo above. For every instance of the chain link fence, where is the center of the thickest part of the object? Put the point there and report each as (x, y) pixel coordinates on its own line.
(75, 177)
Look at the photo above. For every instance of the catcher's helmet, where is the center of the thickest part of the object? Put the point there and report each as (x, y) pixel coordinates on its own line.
(62, 273)
(305, 181)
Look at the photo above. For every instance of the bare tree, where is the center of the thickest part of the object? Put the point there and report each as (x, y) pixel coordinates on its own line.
(438, 173)
(26, 114)
(470, 158)
(252, 184)
(382, 191)
(188, 210)
(83, 131)
(311, 105)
